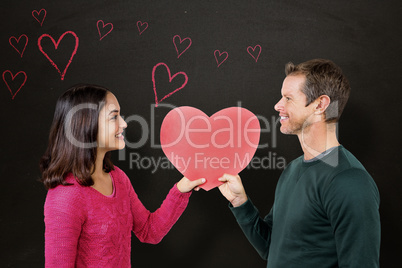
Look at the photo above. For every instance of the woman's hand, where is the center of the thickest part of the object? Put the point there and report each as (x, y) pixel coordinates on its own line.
(233, 189)
(185, 185)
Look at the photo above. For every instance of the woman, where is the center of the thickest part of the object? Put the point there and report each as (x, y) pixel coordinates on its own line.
(91, 207)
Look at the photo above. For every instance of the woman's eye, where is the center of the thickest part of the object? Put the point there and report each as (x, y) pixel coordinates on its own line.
(114, 117)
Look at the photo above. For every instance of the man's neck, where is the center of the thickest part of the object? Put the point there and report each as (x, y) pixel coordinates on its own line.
(317, 138)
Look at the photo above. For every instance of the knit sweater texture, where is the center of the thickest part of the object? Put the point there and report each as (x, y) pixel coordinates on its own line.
(85, 228)
(325, 214)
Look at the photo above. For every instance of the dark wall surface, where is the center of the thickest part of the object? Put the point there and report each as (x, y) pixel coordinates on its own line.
(232, 53)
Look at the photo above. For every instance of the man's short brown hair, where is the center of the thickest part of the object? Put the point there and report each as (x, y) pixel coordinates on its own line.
(323, 77)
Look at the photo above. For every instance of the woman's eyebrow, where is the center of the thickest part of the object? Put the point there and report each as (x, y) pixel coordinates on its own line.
(114, 111)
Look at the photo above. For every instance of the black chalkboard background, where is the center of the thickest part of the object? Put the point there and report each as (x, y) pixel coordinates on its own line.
(363, 37)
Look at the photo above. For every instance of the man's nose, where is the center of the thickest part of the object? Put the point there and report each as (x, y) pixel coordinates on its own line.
(278, 106)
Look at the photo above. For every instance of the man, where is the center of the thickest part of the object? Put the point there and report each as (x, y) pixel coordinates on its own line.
(325, 212)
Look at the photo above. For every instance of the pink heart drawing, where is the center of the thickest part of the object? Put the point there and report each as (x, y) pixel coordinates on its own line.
(56, 44)
(207, 147)
(142, 26)
(37, 15)
(254, 52)
(13, 40)
(106, 32)
(177, 41)
(219, 58)
(157, 101)
(12, 79)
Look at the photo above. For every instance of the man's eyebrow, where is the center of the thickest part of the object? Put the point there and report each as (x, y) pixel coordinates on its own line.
(288, 94)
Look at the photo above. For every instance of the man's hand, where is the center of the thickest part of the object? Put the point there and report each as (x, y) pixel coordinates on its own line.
(233, 189)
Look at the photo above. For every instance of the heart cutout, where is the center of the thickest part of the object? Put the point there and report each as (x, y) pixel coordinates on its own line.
(220, 57)
(142, 26)
(207, 147)
(37, 15)
(178, 44)
(12, 79)
(14, 42)
(254, 52)
(157, 101)
(56, 45)
(106, 32)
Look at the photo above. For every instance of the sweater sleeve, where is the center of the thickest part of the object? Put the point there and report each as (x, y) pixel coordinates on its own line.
(256, 229)
(63, 221)
(352, 203)
(152, 227)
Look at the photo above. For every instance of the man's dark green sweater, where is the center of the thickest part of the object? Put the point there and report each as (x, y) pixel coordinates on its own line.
(325, 214)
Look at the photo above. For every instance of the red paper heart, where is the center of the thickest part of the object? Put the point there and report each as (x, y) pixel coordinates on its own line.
(207, 147)
(62, 74)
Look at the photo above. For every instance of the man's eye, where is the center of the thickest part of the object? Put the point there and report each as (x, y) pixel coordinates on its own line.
(114, 117)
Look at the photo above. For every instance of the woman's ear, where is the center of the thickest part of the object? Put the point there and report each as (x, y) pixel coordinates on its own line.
(322, 104)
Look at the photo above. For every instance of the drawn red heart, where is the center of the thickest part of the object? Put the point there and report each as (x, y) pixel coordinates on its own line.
(12, 79)
(17, 41)
(37, 15)
(157, 101)
(177, 41)
(254, 52)
(56, 44)
(207, 147)
(219, 58)
(142, 26)
(110, 25)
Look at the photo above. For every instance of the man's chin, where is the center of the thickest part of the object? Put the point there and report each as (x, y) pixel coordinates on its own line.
(288, 131)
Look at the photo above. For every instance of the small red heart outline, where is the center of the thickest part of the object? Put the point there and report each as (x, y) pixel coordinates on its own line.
(103, 27)
(218, 57)
(141, 27)
(12, 78)
(56, 44)
(181, 41)
(170, 80)
(200, 146)
(36, 14)
(18, 40)
(252, 50)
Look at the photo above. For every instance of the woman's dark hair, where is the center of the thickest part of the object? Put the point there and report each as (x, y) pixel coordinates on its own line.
(72, 144)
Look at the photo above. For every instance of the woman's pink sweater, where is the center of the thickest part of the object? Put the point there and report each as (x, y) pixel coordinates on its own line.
(85, 228)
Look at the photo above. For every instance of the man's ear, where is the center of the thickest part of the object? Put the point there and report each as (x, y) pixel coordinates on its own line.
(322, 104)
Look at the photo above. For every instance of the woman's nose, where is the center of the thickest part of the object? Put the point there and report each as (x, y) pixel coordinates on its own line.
(123, 123)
